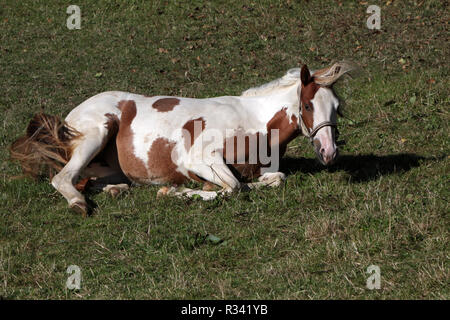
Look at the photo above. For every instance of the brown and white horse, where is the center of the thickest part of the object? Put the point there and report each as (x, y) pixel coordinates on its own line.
(118, 137)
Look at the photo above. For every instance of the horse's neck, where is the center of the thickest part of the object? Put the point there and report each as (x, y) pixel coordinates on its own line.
(279, 110)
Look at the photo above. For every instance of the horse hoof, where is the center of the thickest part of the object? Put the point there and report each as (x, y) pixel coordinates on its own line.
(114, 192)
(116, 189)
(80, 208)
(162, 192)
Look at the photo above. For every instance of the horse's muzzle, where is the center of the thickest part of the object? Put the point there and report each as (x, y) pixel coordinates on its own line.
(325, 157)
(328, 160)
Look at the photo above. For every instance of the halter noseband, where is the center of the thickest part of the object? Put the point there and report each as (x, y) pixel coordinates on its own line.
(311, 133)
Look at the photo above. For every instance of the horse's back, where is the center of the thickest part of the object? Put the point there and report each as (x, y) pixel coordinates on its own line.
(158, 110)
(92, 112)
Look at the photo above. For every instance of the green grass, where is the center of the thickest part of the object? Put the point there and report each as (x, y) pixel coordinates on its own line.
(384, 203)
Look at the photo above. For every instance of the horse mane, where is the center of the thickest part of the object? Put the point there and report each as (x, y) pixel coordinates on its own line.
(325, 77)
(290, 78)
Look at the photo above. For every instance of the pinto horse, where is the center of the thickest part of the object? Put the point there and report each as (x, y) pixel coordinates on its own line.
(117, 138)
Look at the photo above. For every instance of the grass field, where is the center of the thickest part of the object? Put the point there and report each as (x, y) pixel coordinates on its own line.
(385, 203)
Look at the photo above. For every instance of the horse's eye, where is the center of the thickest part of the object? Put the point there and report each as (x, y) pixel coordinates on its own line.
(307, 107)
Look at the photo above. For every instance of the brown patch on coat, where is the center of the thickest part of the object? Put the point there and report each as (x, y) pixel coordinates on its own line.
(288, 130)
(306, 95)
(160, 165)
(133, 167)
(190, 128)
(165, 104)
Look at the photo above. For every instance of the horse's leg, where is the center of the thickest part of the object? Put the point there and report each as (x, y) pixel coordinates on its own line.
(219, 174)
(186, 192)
(115, 189)
(85, 150)
(106, 174)
(271, 179)
(106, 179)
(214, 170)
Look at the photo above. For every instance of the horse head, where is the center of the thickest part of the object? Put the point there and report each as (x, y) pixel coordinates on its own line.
(319, 108)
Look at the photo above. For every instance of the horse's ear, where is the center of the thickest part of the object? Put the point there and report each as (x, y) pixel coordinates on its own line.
(327, 76)
(305, 76)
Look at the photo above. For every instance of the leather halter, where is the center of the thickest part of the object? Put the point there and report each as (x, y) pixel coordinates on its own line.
(311, 133)
(314, 131)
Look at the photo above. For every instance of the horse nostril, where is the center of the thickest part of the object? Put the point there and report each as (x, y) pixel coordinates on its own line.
(322, 151)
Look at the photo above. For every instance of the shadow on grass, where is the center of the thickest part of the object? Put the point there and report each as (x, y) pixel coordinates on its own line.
(361, 168)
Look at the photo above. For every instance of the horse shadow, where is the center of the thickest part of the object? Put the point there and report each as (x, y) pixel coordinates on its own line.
(361, 168)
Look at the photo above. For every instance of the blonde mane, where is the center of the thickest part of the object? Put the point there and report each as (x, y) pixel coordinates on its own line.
(325, 77)
(290, 78)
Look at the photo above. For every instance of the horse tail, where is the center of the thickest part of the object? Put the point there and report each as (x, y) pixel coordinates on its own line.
(45, 148)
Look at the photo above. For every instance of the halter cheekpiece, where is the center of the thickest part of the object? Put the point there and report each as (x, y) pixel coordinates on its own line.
(311, 133)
